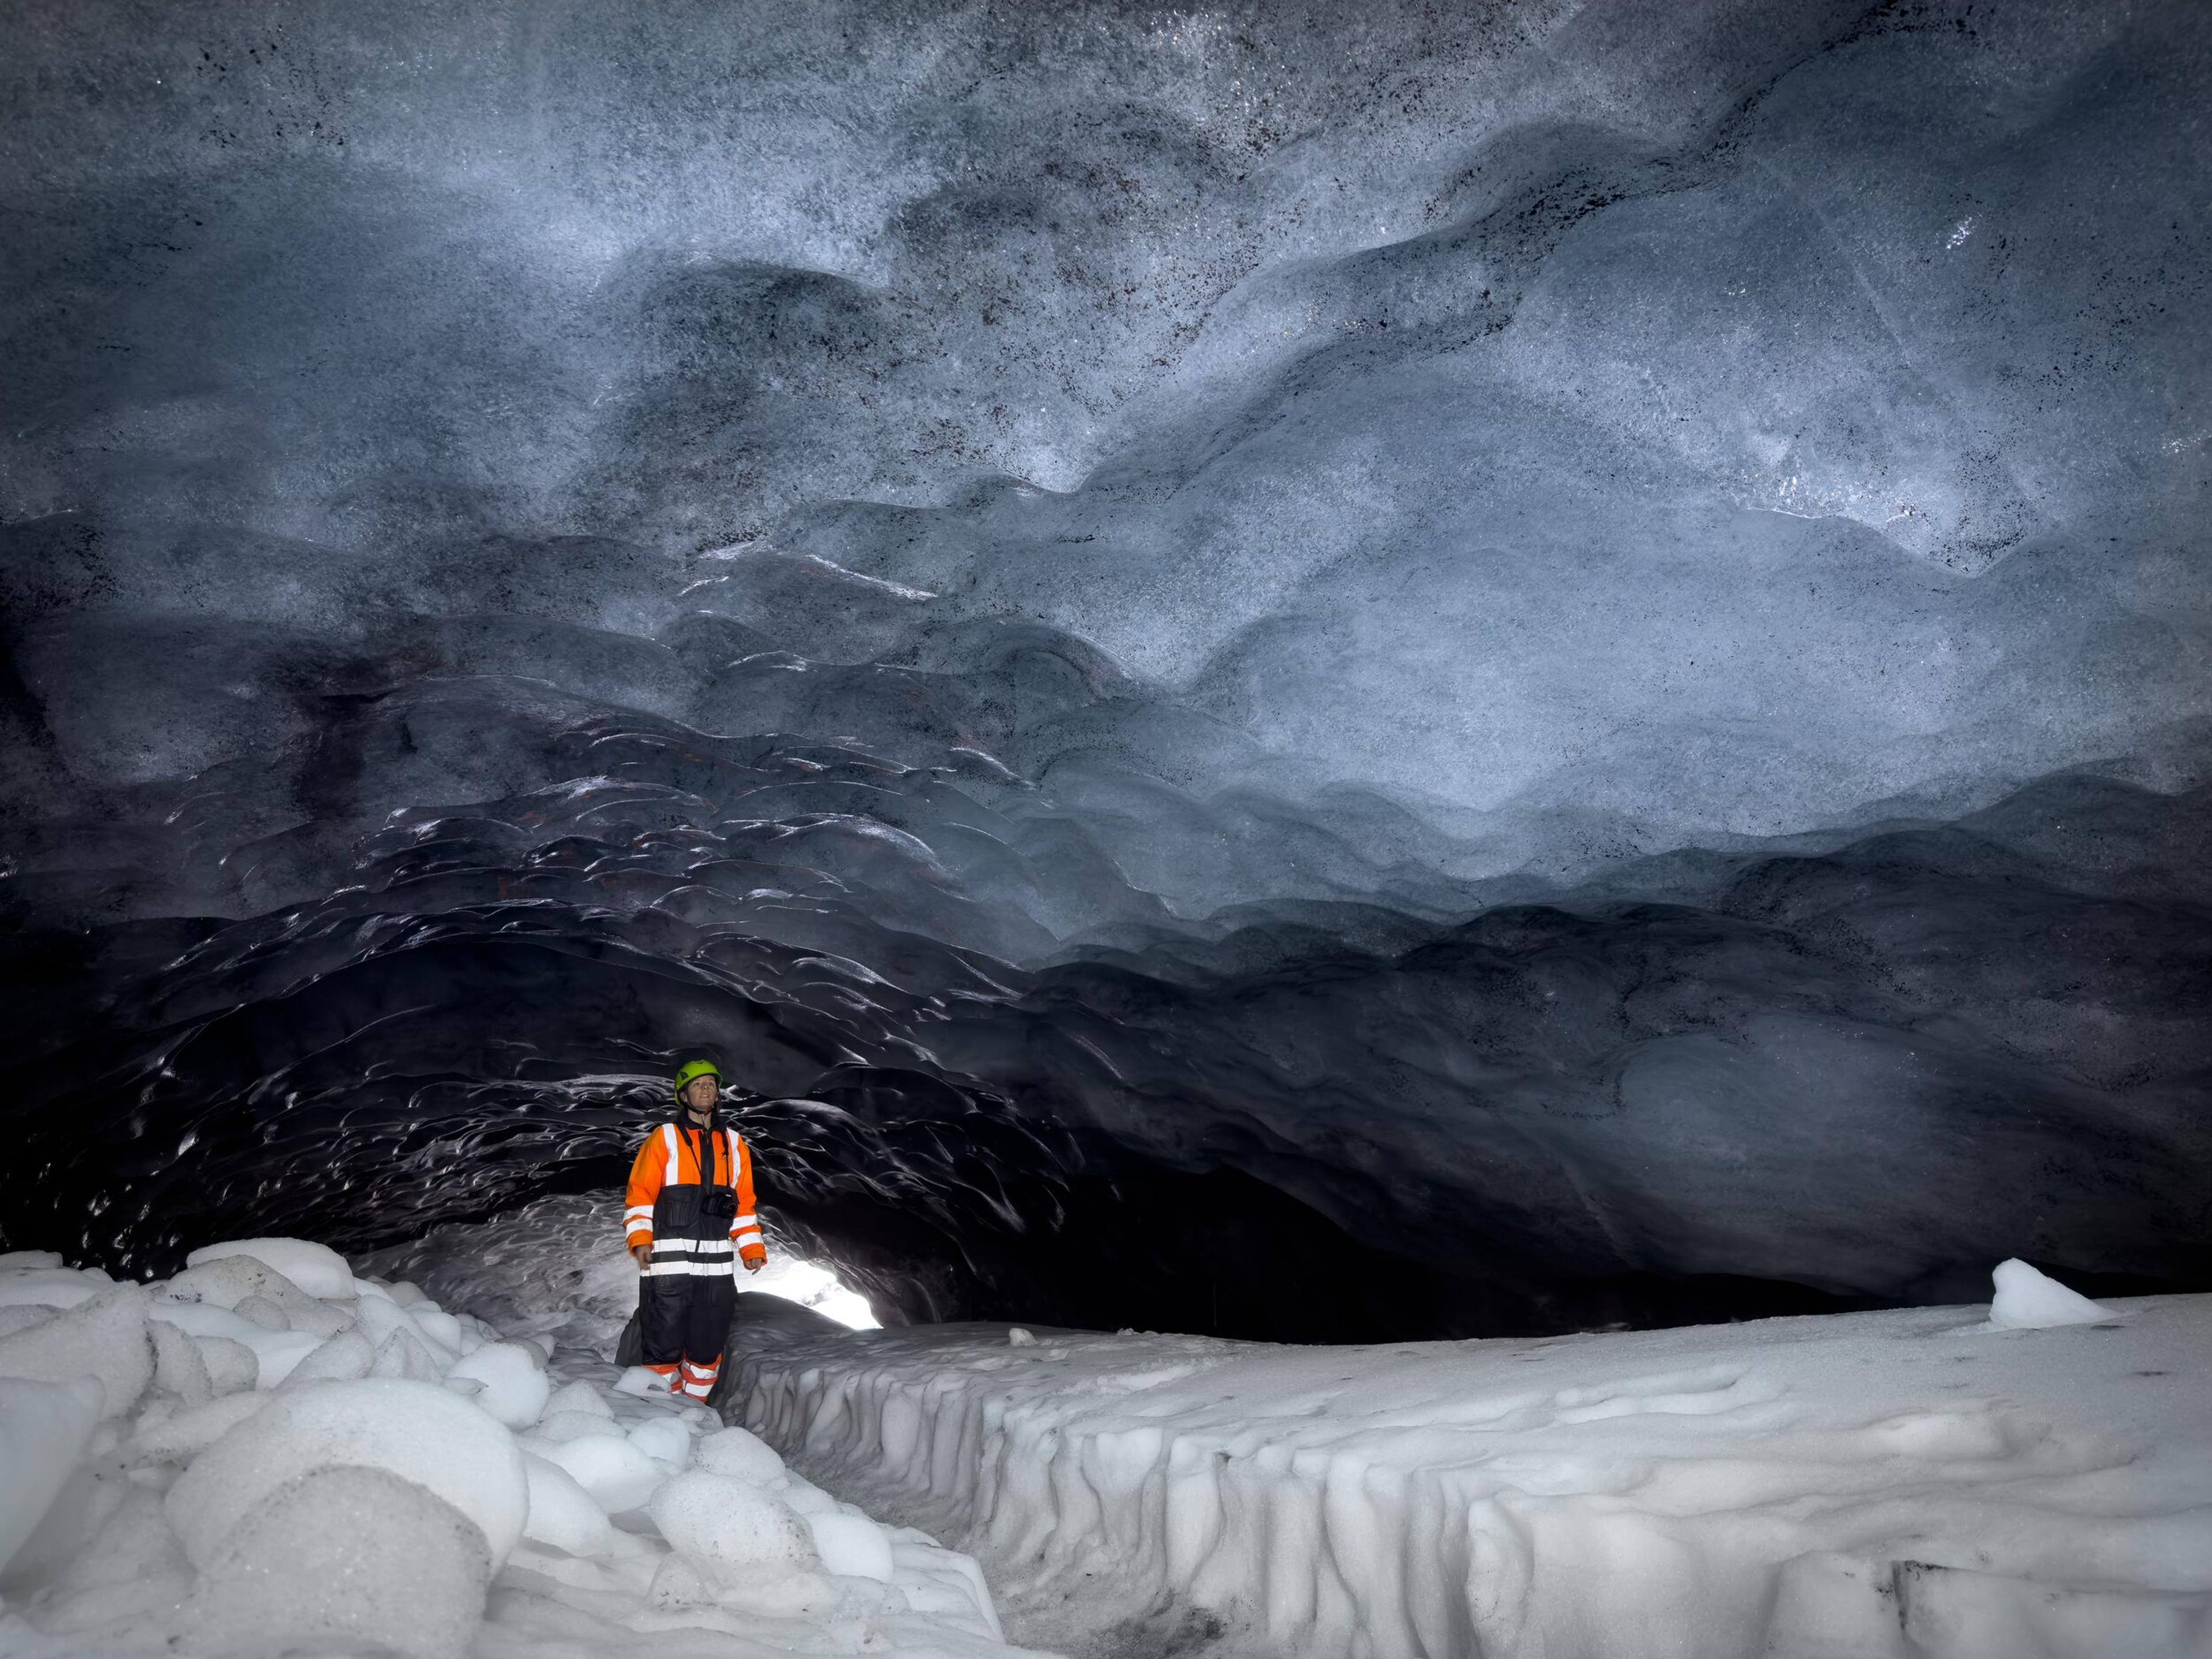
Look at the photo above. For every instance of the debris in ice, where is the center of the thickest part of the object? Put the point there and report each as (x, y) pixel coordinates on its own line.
(2027, 1300)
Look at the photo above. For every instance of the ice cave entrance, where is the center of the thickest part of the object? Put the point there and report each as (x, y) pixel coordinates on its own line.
(811, 1285)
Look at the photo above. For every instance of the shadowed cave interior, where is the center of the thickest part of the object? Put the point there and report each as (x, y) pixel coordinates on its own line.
(1292, 671)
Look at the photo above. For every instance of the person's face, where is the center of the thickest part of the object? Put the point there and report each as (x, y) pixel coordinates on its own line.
(699, 1092)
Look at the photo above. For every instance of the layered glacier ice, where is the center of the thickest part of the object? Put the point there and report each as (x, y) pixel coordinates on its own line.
(1549, 656)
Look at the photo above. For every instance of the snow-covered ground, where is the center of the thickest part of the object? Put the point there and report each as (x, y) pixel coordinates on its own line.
(1912, 1485)
(276, 1451)
(267, 1455)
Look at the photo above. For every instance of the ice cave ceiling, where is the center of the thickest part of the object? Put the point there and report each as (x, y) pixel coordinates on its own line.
(1309, 670)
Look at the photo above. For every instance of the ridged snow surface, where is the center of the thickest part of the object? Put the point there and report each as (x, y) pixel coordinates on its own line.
(1916, 1485)
(1550, 656)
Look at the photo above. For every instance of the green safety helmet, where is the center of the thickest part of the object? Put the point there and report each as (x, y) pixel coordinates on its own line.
(697, 1068)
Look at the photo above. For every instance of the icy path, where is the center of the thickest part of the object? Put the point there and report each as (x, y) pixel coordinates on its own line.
(1895, 1485)
(270, 1454)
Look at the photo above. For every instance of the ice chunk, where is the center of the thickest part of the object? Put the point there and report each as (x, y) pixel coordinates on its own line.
(343, 1358)
(2027, 1300)
(640, 1380)
(441, 1329)
(263, 1312)
(740, 1454)
(315, 1268)
(180, 1438)
(180, 1370)
(340, 1559)
(730, 1531)
(851, 1545)
(15, 1260)
(405, 1295)
(405, 1354)
(618, 1476)
(578, 1396)
(562, 1513)
(106, 1337)
(275, 1351)
(231, 1365)
(559, 1427)
(1018, 1338)
(664, 1439)
(44, 1426)
(415, 1430)
(515, 1390)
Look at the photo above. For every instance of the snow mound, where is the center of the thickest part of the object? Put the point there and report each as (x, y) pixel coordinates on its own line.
(562, 1513)
(105, 1337)
(414, 1431)
(342, 1559)
(314, 1268)
(731, 1532)
(515, 1390)
(2027, 1300)
(740, 1454)
(619, 1475)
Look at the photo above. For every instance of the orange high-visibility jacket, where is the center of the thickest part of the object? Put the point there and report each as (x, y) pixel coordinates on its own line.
(667, 1159)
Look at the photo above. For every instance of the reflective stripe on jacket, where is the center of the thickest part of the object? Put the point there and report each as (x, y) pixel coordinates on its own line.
(668, 1158)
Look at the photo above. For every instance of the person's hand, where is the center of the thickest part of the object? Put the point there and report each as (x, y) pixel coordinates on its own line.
(644, 1255)
(754, 1264)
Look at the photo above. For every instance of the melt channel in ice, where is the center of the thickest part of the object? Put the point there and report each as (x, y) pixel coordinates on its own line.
(267, 1455)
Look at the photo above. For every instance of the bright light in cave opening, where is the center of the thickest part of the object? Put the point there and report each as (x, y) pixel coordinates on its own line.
(813, 1286)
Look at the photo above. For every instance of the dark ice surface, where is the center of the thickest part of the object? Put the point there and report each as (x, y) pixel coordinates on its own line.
(1304, 670)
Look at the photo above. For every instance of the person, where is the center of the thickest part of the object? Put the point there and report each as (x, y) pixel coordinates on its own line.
(691, 1219)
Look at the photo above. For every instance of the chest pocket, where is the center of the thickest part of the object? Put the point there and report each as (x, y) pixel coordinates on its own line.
(688, 1209)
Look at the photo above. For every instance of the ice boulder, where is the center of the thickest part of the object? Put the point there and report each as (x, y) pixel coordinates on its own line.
(343, 1358)
(2027, 1300)
(851, 1545)
(579, 1397)
(44, 1426)
(342, 1559)
(415, 1430)
(739, 1454)
(19, 1261)
(315, 1268)
(560, 1427)
(731, 1531)
(250, 1286)
(180, 1370)
(562, 1513)
(664, 1439)
(618, 1476)
(405, 1354)
(231, 1367)
(515, 1390)
(180, 1438)
(106, 1337)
